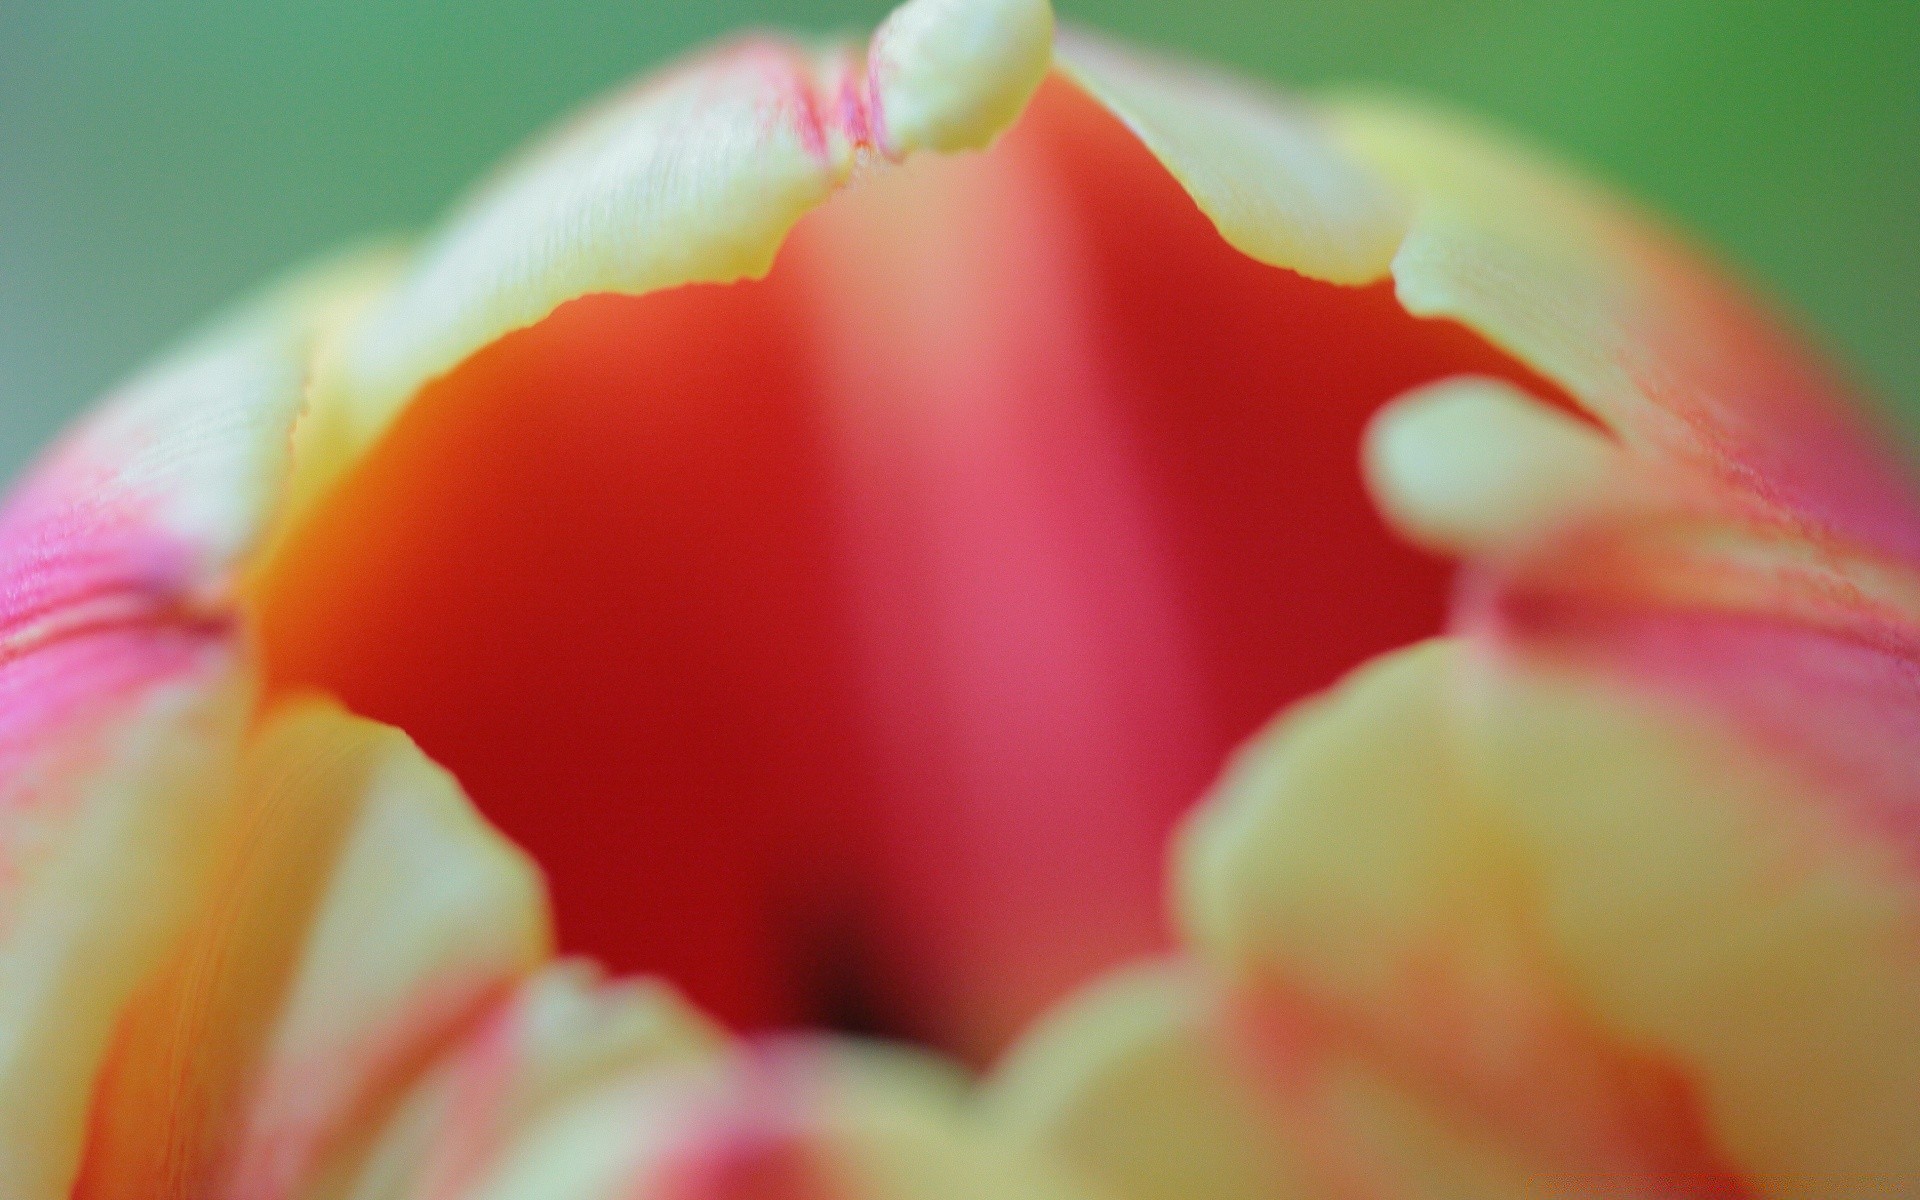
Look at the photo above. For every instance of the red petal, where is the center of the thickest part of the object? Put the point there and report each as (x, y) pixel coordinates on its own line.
(845, 643)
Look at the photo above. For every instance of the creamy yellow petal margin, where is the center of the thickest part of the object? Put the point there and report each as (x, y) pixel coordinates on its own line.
(1162, 1084)
(1473, 467)
(1263, 168)
(811, 1121)
(363, 917)
(1739, 854)
(1521, 250)
(695, 176)
(564, 1034)
(1673, 357)
(121, 697)
(1724, 912)
(1140, 1083)
(1351, 884)
(94, 894)
(1671, 353)
(1549, 914)
(194, 452)
(951, 75)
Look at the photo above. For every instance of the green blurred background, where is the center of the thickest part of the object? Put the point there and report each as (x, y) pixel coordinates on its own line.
(158, 158)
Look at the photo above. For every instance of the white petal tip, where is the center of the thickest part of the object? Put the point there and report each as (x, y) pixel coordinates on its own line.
(1469, 466)
(952, 75)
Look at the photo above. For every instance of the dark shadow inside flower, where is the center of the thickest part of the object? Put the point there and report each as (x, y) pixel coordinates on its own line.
(846, 644)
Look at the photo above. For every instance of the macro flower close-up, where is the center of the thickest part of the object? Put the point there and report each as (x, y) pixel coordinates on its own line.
(977, 612)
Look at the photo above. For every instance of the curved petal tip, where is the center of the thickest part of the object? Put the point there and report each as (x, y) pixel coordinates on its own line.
(1265, 170)
(951, 75)
(1469, 466)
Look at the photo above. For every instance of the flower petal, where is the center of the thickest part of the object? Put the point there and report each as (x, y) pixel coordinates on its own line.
(1635, 327)
(1554, 912)
(105, 860)
(282, 1024)
(805, 1122)
(1700, 385)
(1642, 332)
(1263, 168)
(1722, 905)
(1744, 563)
(1475, 466)
(1139, 1082)
(951, 75)
(562, 1034)
(121, 697)
(695, 176)
(1162, 1085)
(1754, 546)
(1766, 565)
(1770, 569)
(119, 549)
(1370, 907)
(916, 614)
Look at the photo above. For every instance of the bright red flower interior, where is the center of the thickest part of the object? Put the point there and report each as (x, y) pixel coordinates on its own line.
(845, 645)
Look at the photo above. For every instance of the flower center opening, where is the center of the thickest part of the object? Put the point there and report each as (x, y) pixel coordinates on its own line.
(845, 645)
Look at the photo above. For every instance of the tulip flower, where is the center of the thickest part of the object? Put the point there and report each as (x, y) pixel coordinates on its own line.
(557, 710)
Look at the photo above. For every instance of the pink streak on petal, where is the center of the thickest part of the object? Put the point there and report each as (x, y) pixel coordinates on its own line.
(831, 105)
(753, 1143)
(474, 1131)
(1576, 1104)
(1842, 705)
(1774, 422)
(312, 1109)
(93, 610)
